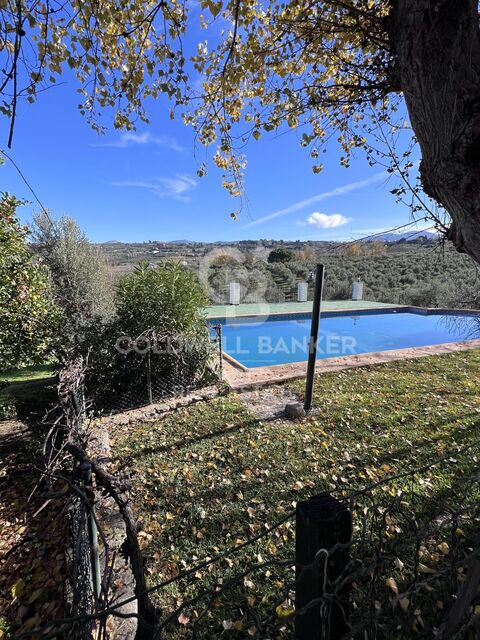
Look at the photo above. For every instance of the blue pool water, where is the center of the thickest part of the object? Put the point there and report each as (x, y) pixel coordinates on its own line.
(257, 342)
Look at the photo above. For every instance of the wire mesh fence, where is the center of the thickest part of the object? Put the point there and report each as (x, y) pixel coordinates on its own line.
(411, 558)
(148, 371)
(82, 552)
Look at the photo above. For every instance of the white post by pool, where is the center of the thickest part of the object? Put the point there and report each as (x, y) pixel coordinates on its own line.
(234, 293)
(357, 290)
(302, 292)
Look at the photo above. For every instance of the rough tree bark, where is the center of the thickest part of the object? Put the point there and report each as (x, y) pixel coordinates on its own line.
(436, 44)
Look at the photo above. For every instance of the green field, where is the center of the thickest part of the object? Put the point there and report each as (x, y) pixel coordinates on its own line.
(209, 477)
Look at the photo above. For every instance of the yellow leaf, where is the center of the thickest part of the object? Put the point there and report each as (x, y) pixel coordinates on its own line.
(476, 611)
(284, 612)
(391, 584)
(17, 588)
(460, 532)
(238, 625)
(443, 548)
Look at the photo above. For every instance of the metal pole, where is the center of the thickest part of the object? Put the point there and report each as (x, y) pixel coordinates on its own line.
(149, 379)
(92, 530)
(218, 331)
(312, 347)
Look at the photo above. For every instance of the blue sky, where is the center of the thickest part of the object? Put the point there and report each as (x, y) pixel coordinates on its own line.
(143, 185)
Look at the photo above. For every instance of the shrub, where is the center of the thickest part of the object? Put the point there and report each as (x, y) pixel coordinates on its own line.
(280, 255)
(159, 335)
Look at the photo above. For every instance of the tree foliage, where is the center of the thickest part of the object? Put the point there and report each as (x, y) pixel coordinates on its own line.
(158, 336)
(167, 299)
(26, 308)
(335, 69)
(280, 255)
(400, 274)
(82, 281)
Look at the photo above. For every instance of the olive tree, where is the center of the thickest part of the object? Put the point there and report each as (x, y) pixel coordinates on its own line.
(82, 279)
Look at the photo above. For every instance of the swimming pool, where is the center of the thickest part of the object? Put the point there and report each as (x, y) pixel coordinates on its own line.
(257, 342)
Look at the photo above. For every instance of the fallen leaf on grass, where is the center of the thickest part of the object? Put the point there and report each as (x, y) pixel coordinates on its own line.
(284, 611)
(183, 619)
(391, 584)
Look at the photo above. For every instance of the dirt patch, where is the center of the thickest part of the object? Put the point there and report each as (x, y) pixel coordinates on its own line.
(268, 403)
(10, 428)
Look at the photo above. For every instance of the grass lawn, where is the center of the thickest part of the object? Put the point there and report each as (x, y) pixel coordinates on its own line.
(19, 388)
(209, 477)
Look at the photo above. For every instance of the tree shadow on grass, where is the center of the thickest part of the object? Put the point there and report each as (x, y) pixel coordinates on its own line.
(33, 530)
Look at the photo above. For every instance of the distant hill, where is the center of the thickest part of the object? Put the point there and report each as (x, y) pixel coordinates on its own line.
(407, 236)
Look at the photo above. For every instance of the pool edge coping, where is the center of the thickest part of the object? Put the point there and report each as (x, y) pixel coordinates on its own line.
(327, 312)
(359, 310)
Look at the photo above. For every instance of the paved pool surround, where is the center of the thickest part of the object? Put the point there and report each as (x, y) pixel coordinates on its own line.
(239, 377)
(283, 308)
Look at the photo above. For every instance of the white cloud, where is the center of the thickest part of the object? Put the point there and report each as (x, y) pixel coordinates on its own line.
(324, 221)
(346, 188)
(130, 139)
(177, 187)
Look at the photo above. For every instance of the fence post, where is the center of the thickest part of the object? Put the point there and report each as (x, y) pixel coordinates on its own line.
(218, 331)
(321, 523)
(92, 529)
(149, 379)
(312, 346)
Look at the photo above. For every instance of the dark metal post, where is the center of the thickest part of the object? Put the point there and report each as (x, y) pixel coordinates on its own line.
(149, 379)
(312, 346)
(92, 529)
(322, 522)
(218, 332)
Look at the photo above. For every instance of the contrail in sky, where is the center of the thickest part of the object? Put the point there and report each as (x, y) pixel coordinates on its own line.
(346, 188)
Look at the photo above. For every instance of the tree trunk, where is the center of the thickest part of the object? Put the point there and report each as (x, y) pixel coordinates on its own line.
(436, 44)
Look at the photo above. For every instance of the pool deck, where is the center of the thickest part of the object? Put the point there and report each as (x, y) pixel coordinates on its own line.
(269, 309)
